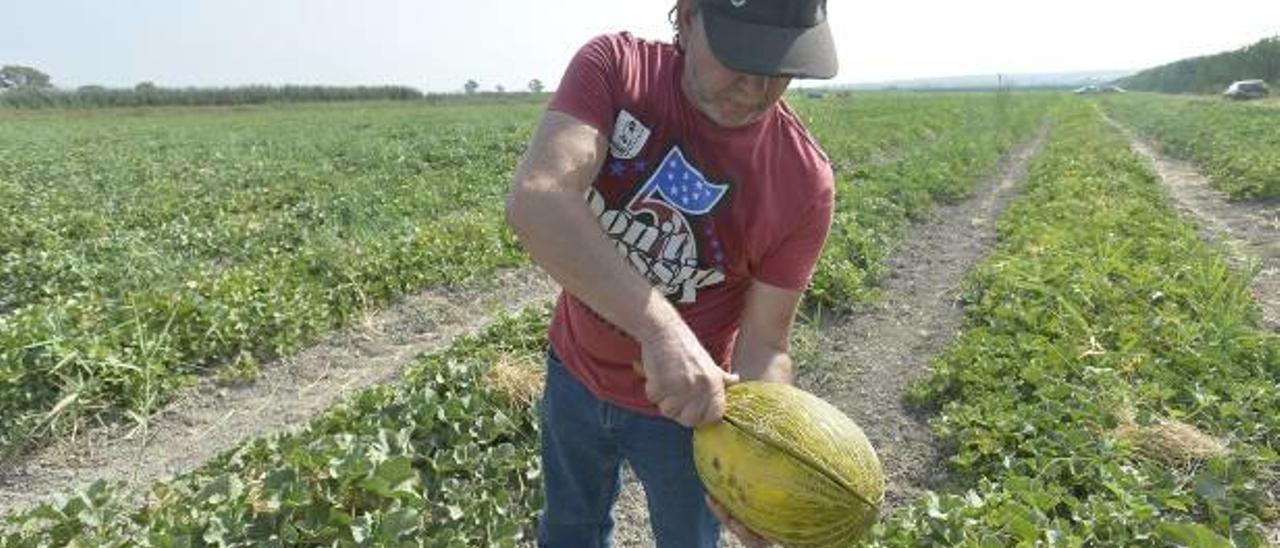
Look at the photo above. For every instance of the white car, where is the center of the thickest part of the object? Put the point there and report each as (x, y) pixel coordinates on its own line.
(1092, 88)
(1246, 89)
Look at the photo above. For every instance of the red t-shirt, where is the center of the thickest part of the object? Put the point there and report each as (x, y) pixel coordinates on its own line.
(700, 210)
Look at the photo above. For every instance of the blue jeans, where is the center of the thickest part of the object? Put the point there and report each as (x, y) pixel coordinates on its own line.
(584, 441)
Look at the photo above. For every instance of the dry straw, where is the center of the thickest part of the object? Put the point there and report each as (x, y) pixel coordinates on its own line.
(518, 378)
(1169, 441)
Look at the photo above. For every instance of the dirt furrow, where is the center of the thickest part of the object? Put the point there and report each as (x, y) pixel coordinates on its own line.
(1249, 230)
(869, 356)
(209, 419)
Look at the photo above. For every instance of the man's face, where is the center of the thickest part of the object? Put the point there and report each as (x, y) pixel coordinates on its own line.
(729, 98)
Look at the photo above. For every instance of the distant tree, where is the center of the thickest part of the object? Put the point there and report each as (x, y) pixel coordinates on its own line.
(499, 88)
(145, 86)
(535, 85)
(98, 96)
(1212, 73)
(18, 76)
(471, 86)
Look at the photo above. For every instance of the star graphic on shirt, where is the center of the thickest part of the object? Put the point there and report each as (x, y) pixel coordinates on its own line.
(617, 168)
(640, 165)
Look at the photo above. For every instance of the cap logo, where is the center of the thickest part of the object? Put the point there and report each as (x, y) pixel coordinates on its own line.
(738, 3)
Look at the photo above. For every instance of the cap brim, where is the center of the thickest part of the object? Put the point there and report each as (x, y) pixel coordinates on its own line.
(799, 52)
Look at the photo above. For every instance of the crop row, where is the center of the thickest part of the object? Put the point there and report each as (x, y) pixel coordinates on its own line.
(1237, 145)
(1113, 386)
(139, 252)
(877, 200)
(141, 249)
(446, 458)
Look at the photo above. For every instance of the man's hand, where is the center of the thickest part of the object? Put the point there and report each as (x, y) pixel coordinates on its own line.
(748, 537)
(682, 379)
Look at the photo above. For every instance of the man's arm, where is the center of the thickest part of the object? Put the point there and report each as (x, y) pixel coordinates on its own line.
(764, 338)
(548, 211)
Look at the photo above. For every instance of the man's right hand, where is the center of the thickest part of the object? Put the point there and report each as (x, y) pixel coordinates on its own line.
(682, 379)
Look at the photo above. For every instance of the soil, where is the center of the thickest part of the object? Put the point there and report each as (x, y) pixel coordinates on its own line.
(1249, 230)
(868, 357)
(209, 419)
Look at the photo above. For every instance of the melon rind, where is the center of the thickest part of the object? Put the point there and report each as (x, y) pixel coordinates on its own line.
(790, 466)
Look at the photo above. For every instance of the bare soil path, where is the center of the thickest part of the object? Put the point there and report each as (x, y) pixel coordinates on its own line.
(1249, 230)
(869, 356)
(209, 419)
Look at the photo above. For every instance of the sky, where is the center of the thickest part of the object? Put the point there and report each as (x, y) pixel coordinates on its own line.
(436, 46)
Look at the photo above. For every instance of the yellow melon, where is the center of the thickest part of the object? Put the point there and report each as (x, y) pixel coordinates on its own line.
(790, 466)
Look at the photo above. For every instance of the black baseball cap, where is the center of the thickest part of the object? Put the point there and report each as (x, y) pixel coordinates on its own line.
(771, 37)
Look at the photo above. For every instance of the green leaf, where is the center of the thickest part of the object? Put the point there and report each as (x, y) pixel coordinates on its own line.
(1015, 521)
(1191, 535)
(226, 487)
(392, 477)
(397, 524)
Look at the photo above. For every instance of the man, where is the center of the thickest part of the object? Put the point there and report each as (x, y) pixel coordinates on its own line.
(682, 207)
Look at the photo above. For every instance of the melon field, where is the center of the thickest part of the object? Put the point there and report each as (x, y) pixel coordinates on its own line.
(1235, 143)
(1047, 341)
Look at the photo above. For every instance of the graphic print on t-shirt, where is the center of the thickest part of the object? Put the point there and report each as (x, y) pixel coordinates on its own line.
(654, 230)
(629, 136)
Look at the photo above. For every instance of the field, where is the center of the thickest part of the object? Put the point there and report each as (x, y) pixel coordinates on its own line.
(1113, 380)
(234, 238)
(1236, 143)
(142, 248)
